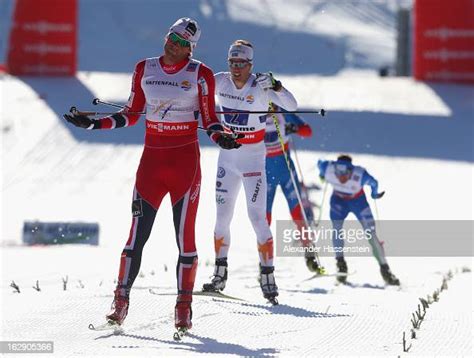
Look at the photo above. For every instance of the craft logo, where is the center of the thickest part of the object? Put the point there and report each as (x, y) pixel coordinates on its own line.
(257, 189)
(186, 85)
(250, 99)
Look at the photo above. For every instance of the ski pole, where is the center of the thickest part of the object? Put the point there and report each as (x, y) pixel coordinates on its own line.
(75, 111)
(376, 210)
(293, 180)
(97, 101)
(321, 112)
(304, 188)
(322, 203)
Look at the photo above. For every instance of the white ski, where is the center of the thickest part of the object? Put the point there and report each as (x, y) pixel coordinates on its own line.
(336, 274)
(106, 327)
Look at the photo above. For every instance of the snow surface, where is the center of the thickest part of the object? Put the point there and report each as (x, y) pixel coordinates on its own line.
(415, 138)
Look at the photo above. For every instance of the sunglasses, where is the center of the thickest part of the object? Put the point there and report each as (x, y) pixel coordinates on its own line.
(175, 38)
(233, 64)
(342, 170)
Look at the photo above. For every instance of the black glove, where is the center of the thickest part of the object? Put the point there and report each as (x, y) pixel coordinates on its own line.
(379, 195)
(228, 141)
(78, 120)
(291, 128)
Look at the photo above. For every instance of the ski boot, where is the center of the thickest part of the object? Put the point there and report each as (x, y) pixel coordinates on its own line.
(219, 278)
(268, 285)
(341, 269)
(119, 309)
(313, 265)
(388, 276)
(183, 313)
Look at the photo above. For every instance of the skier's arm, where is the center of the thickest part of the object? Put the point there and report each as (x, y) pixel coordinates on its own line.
(295, 124)
(368, 179)
(207, 105)
(283, 98)
(136, 104)
(322, 166)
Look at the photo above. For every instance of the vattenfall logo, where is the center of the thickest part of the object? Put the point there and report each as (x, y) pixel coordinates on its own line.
(162, 83)
(186, 85)
(250, 99)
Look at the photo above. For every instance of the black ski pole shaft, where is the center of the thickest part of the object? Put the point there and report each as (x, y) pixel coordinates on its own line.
(74, 110)
(321, 112)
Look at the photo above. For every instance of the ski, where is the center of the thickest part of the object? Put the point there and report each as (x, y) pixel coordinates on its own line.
(336, 274)
(216, 294)
(180, 333)
(106, 327)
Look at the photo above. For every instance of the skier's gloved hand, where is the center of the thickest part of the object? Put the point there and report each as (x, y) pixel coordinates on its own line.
(78, 120)
(267, 81)
(377, 195)
(291, 128)
(228, 141)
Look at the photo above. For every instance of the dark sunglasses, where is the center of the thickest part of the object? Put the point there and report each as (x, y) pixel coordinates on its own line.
(342, 170)
(233, 64)
(175, 38)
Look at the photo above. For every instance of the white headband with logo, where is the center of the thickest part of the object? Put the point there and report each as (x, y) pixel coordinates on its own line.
(240, 52)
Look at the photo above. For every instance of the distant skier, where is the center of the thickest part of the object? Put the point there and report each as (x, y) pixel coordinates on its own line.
(279, 175)
(348, 197)
(241, 90)
(173, 89)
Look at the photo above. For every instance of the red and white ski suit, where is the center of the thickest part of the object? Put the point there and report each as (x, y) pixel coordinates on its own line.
(173, 97)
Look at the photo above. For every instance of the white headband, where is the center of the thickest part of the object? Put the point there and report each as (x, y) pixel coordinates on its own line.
(240, 51)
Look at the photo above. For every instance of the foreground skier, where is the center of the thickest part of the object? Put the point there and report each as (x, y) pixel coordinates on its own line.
(173, 88)
(348, 197)
(241, 90)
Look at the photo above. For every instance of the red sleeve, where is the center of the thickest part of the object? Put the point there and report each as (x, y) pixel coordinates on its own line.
(305, 130)
(207, 102)
(135, 104)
